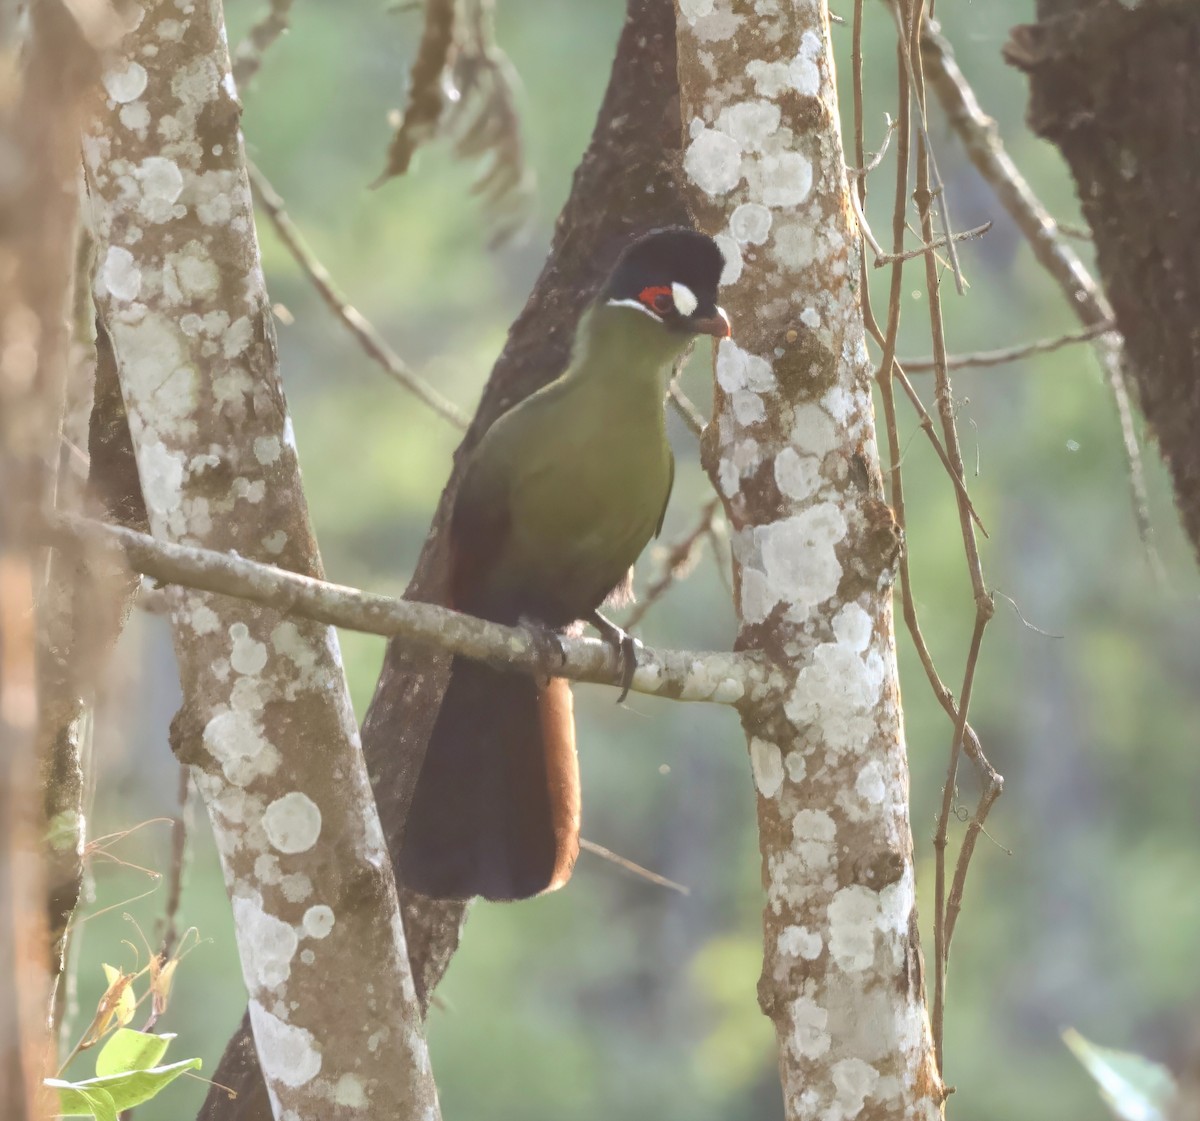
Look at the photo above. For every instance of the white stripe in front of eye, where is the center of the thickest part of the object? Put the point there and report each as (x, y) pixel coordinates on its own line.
(635, 304)
(685, 299)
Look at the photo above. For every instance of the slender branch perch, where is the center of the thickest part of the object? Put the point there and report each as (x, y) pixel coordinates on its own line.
(722, 678)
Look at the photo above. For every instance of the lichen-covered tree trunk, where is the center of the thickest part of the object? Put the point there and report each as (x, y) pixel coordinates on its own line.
(792, 451)
(267, 724)
(1116, 86)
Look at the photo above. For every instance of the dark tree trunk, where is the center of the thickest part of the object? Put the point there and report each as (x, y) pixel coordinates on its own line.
(1117, 88)
(625, 184)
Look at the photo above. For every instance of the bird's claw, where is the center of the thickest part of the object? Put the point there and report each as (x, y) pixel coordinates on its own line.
(552, 654)
(624, 644)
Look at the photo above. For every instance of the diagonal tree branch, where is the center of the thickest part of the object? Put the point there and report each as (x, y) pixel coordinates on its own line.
(722, 678)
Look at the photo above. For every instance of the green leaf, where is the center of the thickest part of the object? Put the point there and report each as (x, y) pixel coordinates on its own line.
(131, 1050)
(74, 1102)
(130, 1088)
(1134, 1088)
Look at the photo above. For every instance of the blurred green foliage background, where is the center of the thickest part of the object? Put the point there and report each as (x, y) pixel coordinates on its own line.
(614, 998)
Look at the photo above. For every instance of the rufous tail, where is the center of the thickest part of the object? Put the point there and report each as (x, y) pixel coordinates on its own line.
(496, 807)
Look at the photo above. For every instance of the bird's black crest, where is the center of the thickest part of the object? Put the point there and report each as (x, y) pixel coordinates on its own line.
(675, 255)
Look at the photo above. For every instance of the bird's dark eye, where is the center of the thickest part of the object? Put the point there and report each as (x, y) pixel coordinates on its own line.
(658, 299)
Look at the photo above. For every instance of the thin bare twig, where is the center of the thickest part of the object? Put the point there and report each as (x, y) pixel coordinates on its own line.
(732, 678)
(368, 338)
(630, 866)
(877, 158)
(686, 410)
(981, 141)
(678, 562)
(1009, 354)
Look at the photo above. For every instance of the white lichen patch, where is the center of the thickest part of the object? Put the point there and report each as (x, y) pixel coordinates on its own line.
(296, 887)
(266, 868)
(784, 179)
(161, 184)
(799, 564)
(318, 921)
(237, 338)
(692, 10)
(800, 942)
(292, 822)
(809, 1028)
(814, 846)
(267, 449)
(267, 943)
(853, 1082)
(750, 123)
(119, 274)
(126, 82)
(853, 927)
(852, 627)
(349, 1091)
(804, 74)
(162, 478)
(838, 692)
(748, 408)
(814, 430)
(247, 656)
(739, 369)
(195, 274)
(869, 785)
(750, 223)
(236, 740)
(797, 476)
(766, 760)
(713, 161)
(288, 1053)
(136, 117)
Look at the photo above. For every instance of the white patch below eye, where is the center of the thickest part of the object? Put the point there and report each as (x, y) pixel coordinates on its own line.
(685, 299)
(636, 304)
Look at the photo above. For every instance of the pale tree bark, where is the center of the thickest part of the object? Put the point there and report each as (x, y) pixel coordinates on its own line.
(267, 724)
(792, 450)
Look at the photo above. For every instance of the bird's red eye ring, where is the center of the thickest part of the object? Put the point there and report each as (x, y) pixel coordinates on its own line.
(658, 299)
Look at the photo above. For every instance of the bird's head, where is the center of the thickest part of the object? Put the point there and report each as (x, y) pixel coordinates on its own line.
(672, 276)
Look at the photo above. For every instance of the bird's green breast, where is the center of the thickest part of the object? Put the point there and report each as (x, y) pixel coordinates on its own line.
(584, 465)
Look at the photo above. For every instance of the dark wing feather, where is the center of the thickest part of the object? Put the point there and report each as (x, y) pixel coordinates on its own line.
(479, 528)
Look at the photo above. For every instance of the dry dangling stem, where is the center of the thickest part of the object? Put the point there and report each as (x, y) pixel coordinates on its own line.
(368, 338)
(248, 57)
